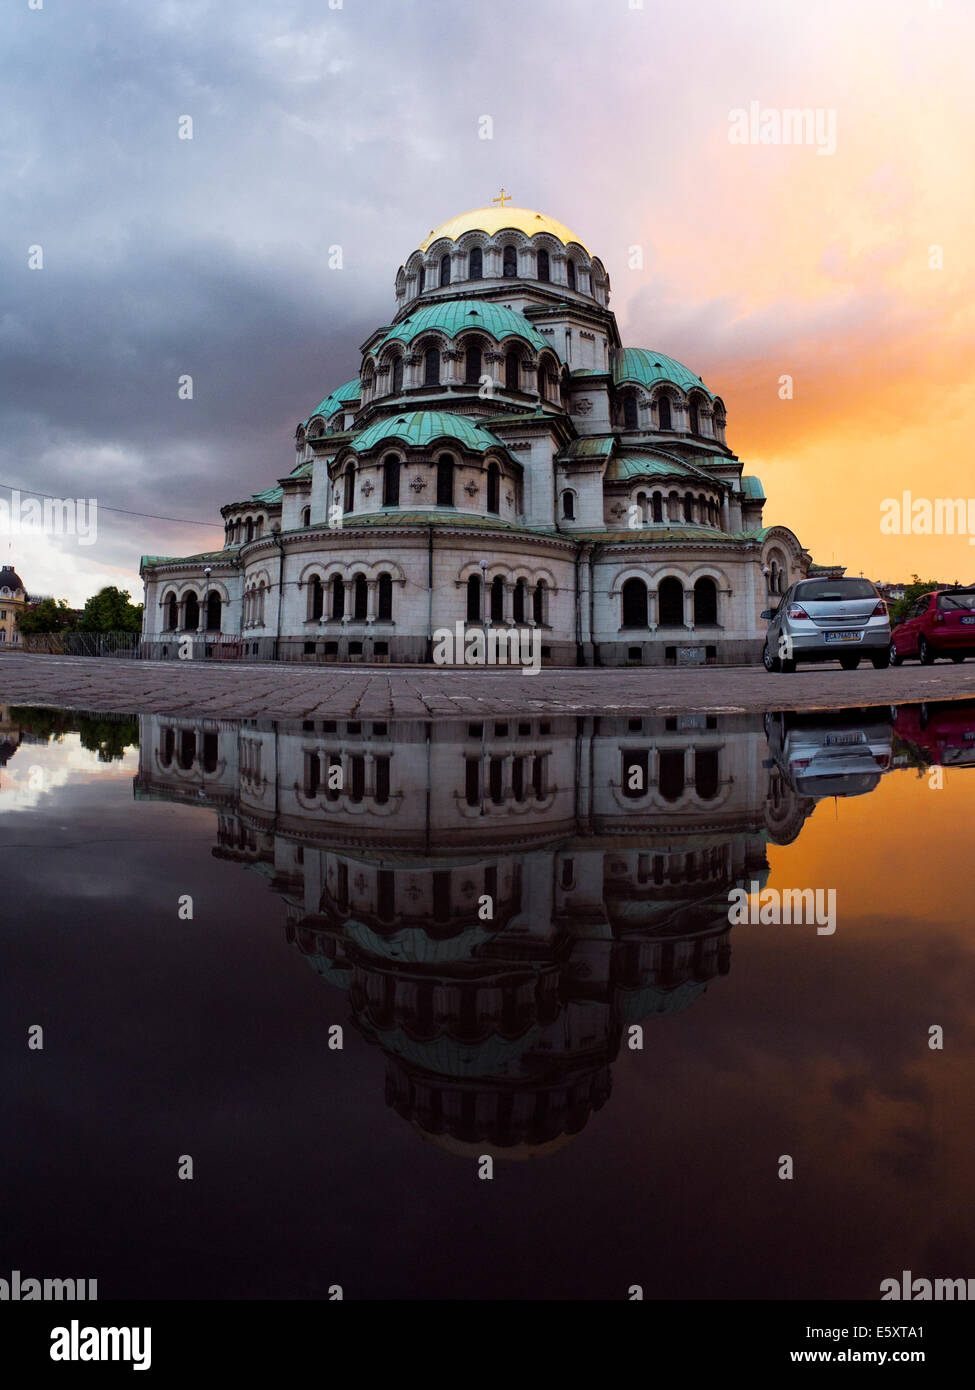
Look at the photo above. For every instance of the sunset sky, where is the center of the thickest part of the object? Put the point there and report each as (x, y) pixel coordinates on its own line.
(358, 126)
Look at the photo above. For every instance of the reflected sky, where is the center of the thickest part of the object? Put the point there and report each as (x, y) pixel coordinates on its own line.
(608, 848)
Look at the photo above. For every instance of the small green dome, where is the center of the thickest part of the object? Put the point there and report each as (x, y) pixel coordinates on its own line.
(648, 367)
(418, 428)
(349, 392)
(453, 316)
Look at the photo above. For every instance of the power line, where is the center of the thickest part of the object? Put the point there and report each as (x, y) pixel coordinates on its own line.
(123, 511)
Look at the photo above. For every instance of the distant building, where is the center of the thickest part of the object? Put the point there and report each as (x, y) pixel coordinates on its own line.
(13, 600)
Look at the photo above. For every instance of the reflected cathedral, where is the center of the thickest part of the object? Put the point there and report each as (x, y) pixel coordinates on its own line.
(501, 901)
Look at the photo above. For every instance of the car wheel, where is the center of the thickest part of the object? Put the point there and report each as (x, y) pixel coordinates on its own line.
(895, 657)
(849, 663)
(770, 662)
(957, 657)
(881, 661)
(925, 651)
(788, 666)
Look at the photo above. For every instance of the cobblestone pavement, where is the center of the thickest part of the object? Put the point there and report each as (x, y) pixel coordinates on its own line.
(288, 692)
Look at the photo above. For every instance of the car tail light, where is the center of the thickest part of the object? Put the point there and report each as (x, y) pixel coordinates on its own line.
(880, 611)
(797, 611)
(799, 764)
(882, 759)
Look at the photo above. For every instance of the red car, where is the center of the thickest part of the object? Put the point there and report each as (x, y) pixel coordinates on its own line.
(943, 734)
(941, 623)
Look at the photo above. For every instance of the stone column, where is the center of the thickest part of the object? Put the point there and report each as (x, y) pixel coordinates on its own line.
(652, 608)
(689, 608)
(371, 586)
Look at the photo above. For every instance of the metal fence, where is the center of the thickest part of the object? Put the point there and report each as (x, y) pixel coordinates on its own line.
(124, 644)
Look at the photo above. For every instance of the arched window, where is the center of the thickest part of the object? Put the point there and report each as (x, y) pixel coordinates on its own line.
(445, 482)
(213, 611)
(510, 262)
(705, 602)
(360, 598)
(671, 602)
(706, 778)
(670, 773)
(511, 373)
(635, 603)
(168, 747)
(349, 499)
(338, 596)
(306, 516)
(538, 602)
(421, 278)
(658, 506)
(688, 506)
(497, 599)
(249, 529)
(568, 506)
(570, 273)
(187, 749)
(191, 612)
(543, 267)
(475, 264)
(397, 375)
(474, 599)
(384, 599)
(692, 417)
(493, 487)
(472, 366)
(431, 367)
(631, 418)
(316, 598)
(445, 270)
(391, 469)
(519, 601)
(663, 410)
(172, 613)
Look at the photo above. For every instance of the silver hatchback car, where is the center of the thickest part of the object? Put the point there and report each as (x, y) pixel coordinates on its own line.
(840, 620)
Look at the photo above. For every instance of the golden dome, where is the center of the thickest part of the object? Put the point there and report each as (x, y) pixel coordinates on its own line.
(496, 219)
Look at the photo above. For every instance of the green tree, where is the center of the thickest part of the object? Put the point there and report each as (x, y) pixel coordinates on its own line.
(899, 606)
(110, 610)
(49, 615)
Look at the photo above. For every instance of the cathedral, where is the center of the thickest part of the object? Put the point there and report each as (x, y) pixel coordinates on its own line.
(499, 461)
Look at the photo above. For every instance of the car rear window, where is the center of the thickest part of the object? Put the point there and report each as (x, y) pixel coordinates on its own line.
(822, 590)
(958, 598)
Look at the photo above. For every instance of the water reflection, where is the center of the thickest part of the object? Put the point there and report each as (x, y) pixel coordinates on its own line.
(502, 901)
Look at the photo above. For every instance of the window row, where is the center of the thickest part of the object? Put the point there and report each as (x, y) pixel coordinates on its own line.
(244, 529)
(185, 614)
(360, 598)
(667, 414)
(429, 373)
(392, 468)
(671, 778)
(452, 268)
(676, 607)
(501, 601)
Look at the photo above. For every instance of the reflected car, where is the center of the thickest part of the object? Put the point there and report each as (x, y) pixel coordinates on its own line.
(831, 754)
(944, 735)
(941, 623)
(840, 620)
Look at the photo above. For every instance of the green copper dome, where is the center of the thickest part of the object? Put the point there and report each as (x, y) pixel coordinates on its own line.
(418, 428)
(648, 367)
(453, 316)
(332, 402)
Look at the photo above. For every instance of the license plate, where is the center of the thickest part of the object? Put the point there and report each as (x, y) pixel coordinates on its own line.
(838, 740)
(843, 636)
(969, 622)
